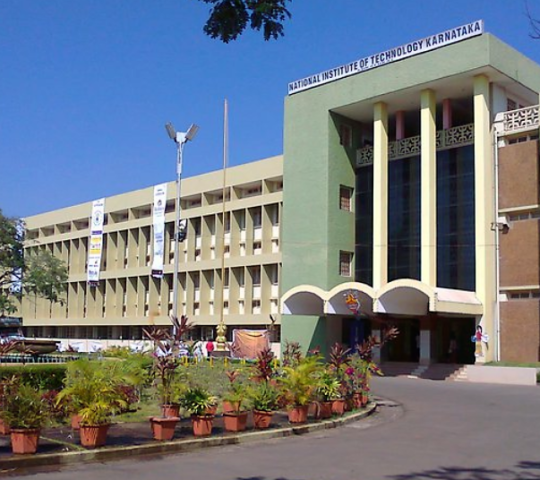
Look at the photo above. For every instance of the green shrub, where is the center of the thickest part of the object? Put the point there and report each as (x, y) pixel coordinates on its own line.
(40, 377)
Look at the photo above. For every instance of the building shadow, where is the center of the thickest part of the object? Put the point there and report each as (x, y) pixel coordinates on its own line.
(524, 470)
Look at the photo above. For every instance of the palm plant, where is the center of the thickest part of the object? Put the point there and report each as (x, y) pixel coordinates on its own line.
(299, 383)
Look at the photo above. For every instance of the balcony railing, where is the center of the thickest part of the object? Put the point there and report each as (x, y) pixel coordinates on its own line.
(521, 120)
(411, 146)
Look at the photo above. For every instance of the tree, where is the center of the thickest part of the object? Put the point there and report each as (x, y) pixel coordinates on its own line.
(40, 274)
(229, 18)
(534, 23)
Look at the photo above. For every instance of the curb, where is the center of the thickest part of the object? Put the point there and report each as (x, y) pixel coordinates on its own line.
(175, 446)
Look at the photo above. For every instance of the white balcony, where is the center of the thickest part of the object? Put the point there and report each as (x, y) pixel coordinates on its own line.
(242, 235)
(213, 240)
(257, 233)
(257, 291)
(226, 294)
(197, 295)
(241, 309)
(275, 231)
(242, 292)
(198, 242)
(227, 238)
(274, 306)
(274, 291)
(212, 294)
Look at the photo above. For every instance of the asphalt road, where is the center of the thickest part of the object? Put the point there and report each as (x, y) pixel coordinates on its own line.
(425, 430)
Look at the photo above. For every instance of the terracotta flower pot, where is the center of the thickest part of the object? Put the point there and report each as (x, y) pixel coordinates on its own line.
(93, 436)
(229, 407)
(357, 400)
(4, 428)
(262, 419)
(365, 399)
(24, 441)
(76, 422)
(338, 406)
(298, 414)
(170, 411)
(326, 409)
(211, 410)
(202, 425)
(235, 422)
(163, 428)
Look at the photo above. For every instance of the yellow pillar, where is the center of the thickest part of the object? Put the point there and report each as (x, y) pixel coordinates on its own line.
(428, 189)
(380, 195)
(484, 212)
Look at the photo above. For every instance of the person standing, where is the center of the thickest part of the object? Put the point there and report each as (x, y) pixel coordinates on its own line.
(209, 347)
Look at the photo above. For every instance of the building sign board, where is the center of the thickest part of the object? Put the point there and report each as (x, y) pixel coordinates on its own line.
(370, 62)
(95, 246)
(158, 220)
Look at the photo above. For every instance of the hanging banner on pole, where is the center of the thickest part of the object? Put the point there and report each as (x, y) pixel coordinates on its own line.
(160, 200)
(95, 246)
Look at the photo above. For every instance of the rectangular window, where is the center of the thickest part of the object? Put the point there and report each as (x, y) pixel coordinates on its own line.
(256, 275)
(256, 218)
(345, 195)
(345, 260)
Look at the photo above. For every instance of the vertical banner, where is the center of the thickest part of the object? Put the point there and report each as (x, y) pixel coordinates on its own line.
(160, 200)
(95, 246)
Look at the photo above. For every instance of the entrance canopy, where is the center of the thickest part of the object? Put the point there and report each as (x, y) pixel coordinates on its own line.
(400, 297)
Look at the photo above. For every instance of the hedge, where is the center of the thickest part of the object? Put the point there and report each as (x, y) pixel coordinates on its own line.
(43, 377)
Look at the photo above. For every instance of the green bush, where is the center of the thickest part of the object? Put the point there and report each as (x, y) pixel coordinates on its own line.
(40, 377)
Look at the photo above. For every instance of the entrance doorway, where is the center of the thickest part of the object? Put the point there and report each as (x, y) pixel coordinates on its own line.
(454, 343)
(406, 346)
(354, 331)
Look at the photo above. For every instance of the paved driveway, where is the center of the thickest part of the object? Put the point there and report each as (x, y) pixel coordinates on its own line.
(436, 430)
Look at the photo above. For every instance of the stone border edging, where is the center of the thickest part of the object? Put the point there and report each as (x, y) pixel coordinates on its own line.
(175, 446)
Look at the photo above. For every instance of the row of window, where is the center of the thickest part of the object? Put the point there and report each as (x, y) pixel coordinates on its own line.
(110, 332)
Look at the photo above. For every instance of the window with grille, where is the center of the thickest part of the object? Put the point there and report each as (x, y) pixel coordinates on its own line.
(345, 261)
(345, 196)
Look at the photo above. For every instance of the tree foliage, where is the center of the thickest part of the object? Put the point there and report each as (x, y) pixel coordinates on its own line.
(40, 274)
(229, 18)
(534, 23)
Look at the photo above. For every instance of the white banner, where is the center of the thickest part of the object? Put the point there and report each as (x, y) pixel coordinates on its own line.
(160, 200)
(393, 55)
(95, 245)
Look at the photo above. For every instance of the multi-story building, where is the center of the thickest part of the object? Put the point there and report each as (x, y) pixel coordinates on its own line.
(411, 182)
(127, 296)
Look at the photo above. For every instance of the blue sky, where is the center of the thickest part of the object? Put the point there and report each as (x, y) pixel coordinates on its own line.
(87, 86)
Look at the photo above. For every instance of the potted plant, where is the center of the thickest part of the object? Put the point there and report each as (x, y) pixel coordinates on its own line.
(166, 362)
(197, 401)
(163, 426)
(234, 415)
(25, 413)
(328, 390)
(298, 386)
(264, 400)
(93, 393)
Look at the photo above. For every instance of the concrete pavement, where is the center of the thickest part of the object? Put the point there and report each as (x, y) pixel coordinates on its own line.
(434, 430)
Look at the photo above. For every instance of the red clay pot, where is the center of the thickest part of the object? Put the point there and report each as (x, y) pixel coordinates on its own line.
(357, 400)
(4, 428)
(229, 407)
(76, 422)
(338, 406)
(299, 414)
(326, 409)
(24, 441)
(235, 422)
(211, 410)
(93, 436)
(262, 419)
(163, 428)
(170, 411)
(365, 399)
(202, 425)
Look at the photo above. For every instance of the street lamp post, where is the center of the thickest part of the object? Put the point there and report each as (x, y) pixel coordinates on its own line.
(180, 138)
